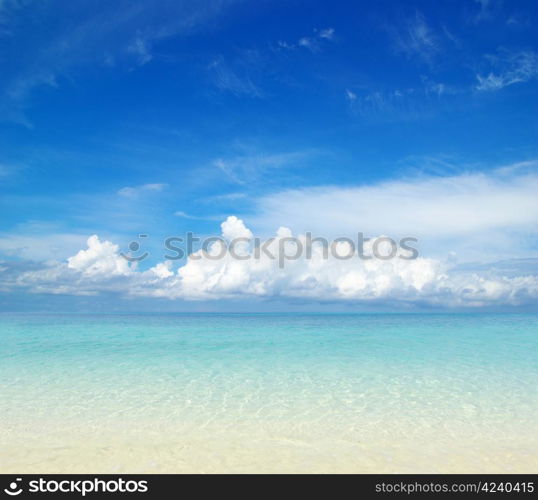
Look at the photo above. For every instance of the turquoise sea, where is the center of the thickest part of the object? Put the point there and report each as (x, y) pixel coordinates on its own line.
(269, 393)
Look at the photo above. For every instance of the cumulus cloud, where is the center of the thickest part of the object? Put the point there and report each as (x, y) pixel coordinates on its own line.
(101, 268)
(100, 258)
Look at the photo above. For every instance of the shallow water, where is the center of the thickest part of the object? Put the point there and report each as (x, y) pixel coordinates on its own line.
(269, 393)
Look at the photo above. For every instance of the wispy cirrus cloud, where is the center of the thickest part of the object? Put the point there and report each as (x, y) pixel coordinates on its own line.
(508, 68)
(219, 198)
(134, 192)
(185, 215)
(141, 50)
(312, 42)
(351, 96)
(242, 73)
(398, 103)
(93, 34)
(248, 168)
(487, 9)
(236, 80)
(416, 38)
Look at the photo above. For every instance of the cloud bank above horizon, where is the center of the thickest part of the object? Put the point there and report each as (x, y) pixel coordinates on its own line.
(100, 268)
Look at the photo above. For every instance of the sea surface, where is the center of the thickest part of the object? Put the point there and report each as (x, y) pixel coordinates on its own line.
(269, 393)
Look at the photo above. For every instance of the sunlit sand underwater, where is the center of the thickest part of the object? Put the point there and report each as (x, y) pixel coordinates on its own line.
(269, 393)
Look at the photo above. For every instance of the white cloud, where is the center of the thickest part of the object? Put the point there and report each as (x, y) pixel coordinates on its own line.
(510, 68)
(400, 103)
(437, 88)
(225, 197)
(100, 268)
(416, 38)
(480, 216)
(248, 168)
(30, 245)
(99, 259)
(487, 10)
(140, 48)
(312, 43)
(350, 95)
(185, 215)
(233, 228)
(327, 33)
(306, 41)
(227, 78)
(133, 192)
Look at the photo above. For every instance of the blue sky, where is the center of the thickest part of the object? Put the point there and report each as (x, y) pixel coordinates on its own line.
(120, 118)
